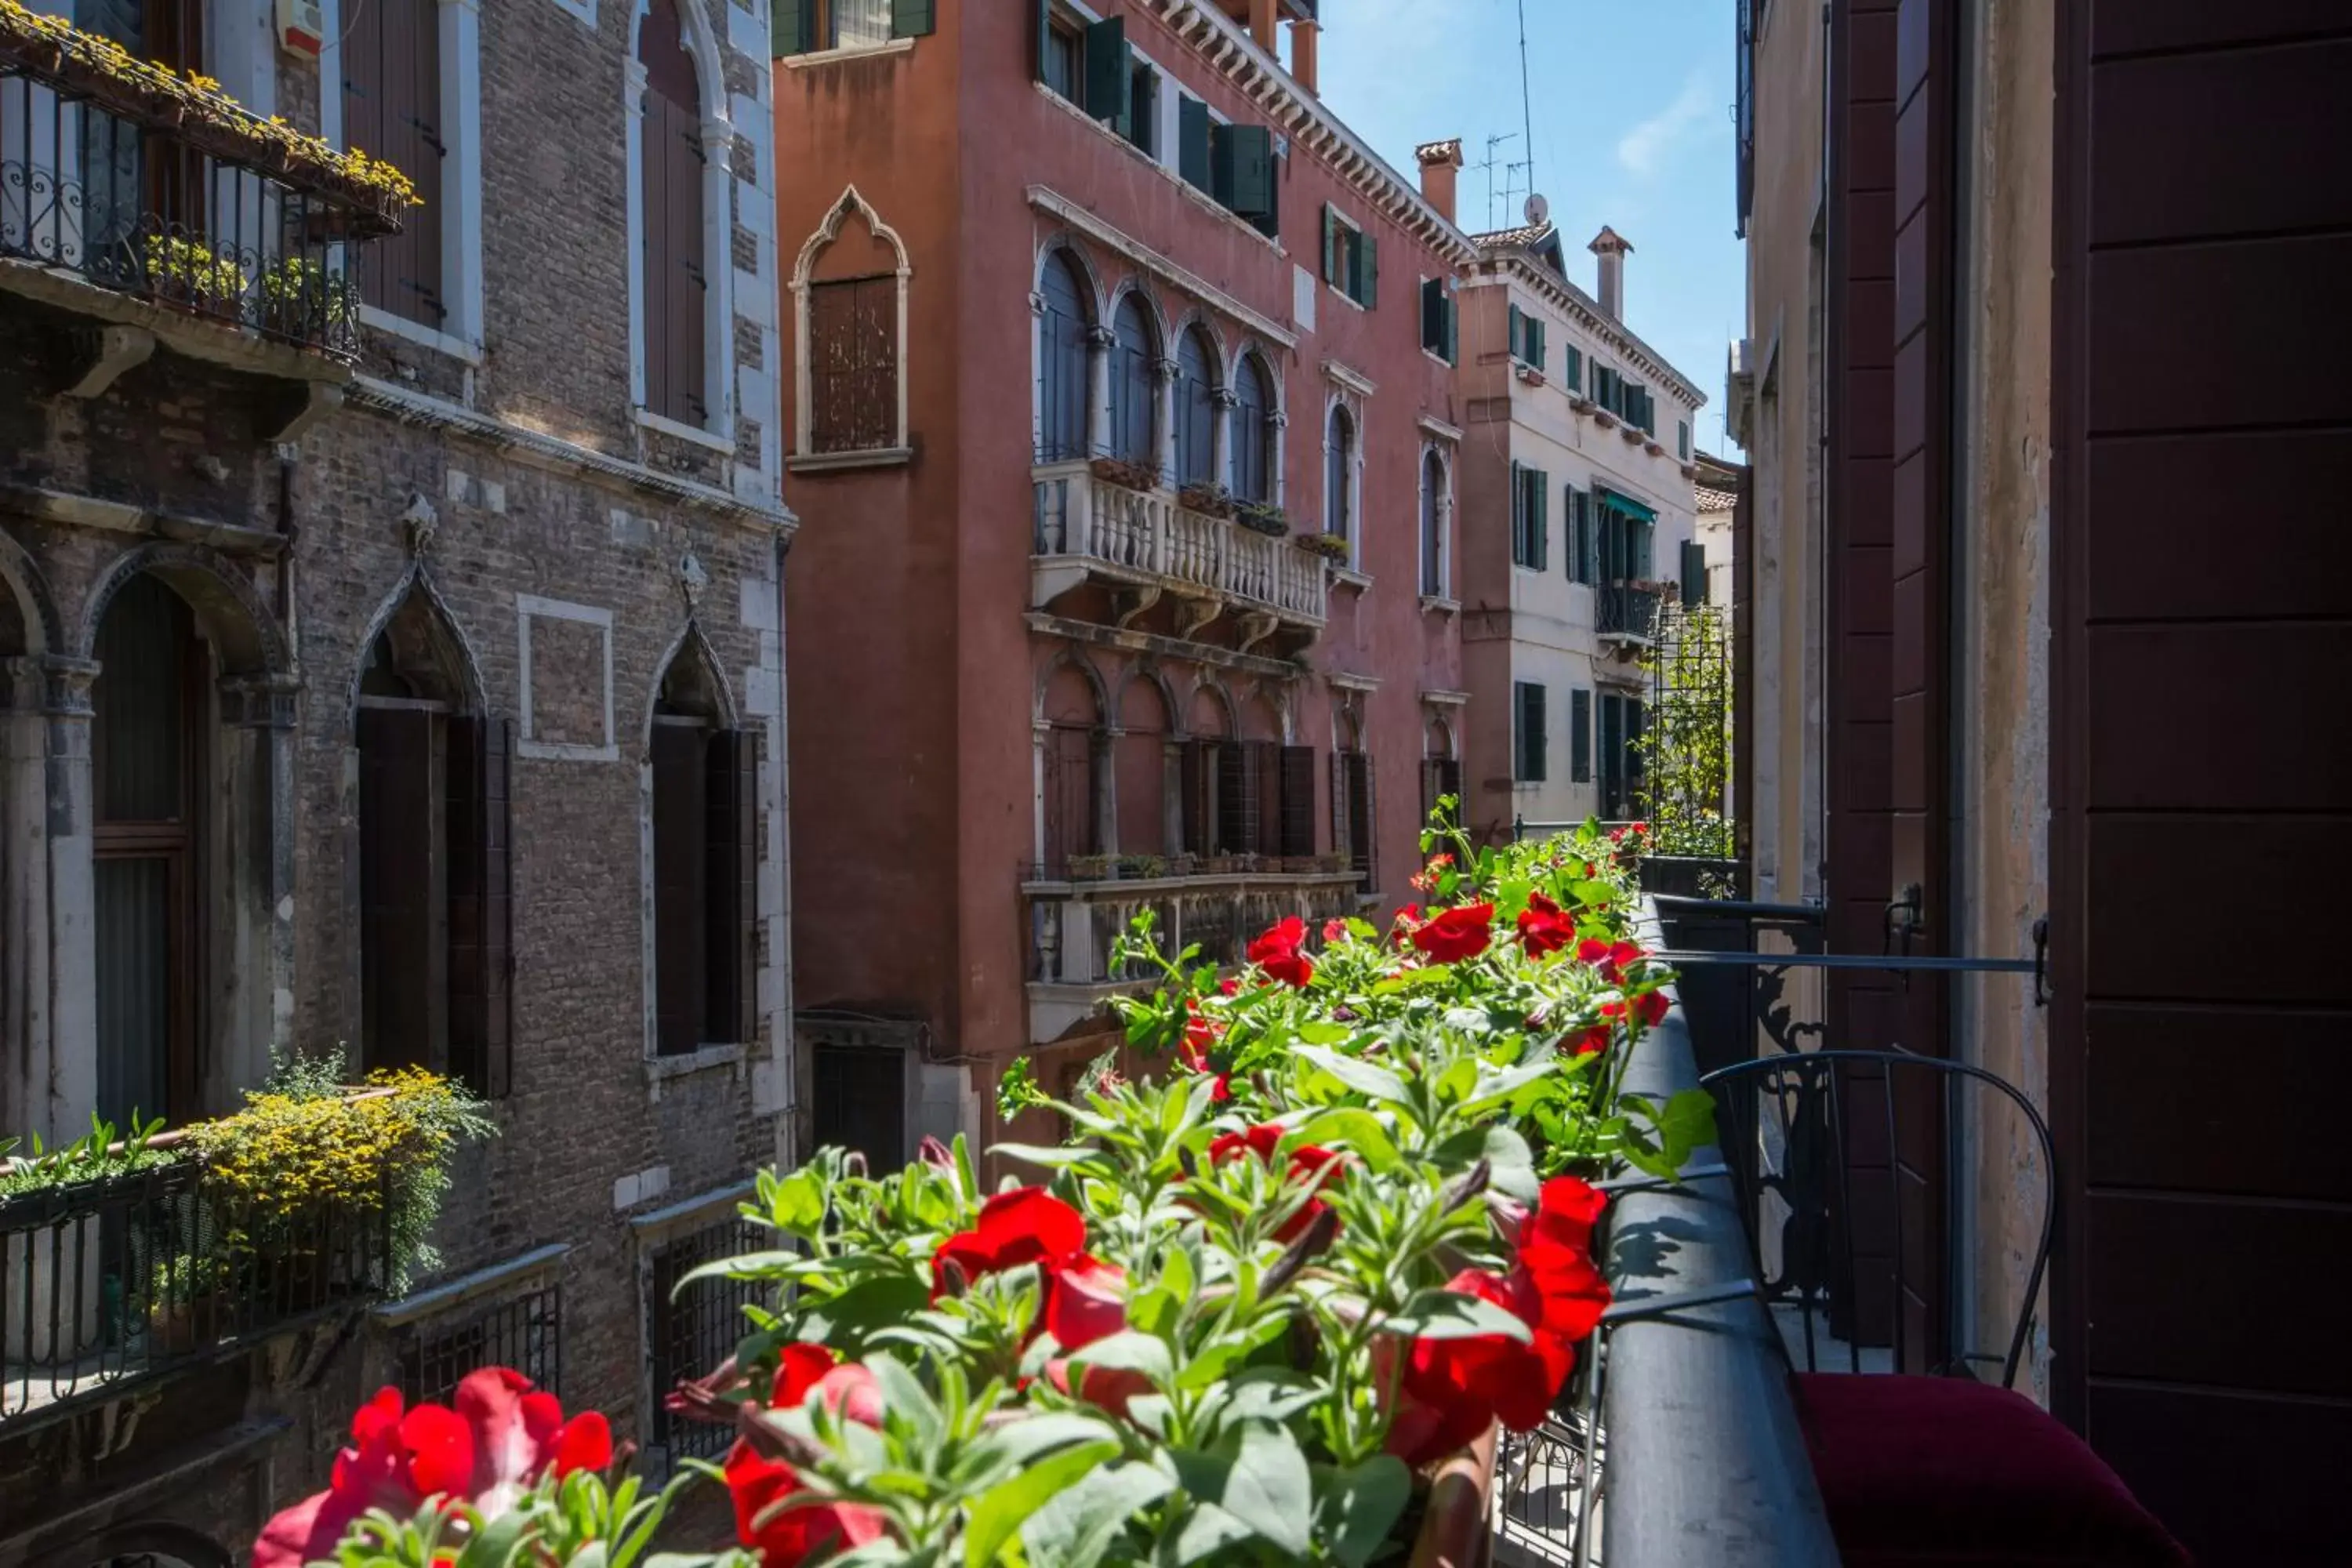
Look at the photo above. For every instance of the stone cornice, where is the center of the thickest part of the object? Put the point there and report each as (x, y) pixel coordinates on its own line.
(1580, 307)
(1229, 48)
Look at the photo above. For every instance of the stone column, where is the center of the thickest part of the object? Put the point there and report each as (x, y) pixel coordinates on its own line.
(253, 898)
(1221, 438)
(1171, 796)
(1107, 788)
(1100, 340)
(1165, 384)
(1040, 733)
(49, 973)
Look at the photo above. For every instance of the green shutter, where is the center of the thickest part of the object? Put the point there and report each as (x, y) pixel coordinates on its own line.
(1518, 517)
(1580, 737)
(1573, 371)
(1453, 330)
(1433, 314)
(1043, 40)
(1541, 485)
(913, 18)
(1540, 358)
(1192, 141)
(788, 25)
(1368, 254)
(1109, 66)
(1330, 245)
(1251, 191)
(1518, 328)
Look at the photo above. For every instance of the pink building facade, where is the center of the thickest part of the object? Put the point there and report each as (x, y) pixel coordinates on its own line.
(1123, 425)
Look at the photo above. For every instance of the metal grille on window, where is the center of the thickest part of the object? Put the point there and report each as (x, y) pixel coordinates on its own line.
(853, 364)
(690, 1336)
(525, 1332)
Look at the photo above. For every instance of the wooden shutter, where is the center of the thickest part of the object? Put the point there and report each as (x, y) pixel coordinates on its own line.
(1580, 737)
(1532, 740)
(1265, 775)
(1331, 227)
(1572, 369)
(1110, 63)
(913, 18)
(791, 24)
(1043, 40)
(676, 288)
(1192, 141)
(1298, 800)
(1694, 572)
(1536, 342)
(1539, 494)
(1236, 800)
(480, 905)
(1518, 333)
(1192, 796)
(398, 975)
(1518, 515)
(1251, 151)
(1433, 314)
(1453, 330)
(1368, 271)
(731, 882)
(1613, 753)
(1360, 815)
(681, 896)
(392, 111)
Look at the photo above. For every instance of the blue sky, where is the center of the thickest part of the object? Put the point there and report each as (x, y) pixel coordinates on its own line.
(1631, 112)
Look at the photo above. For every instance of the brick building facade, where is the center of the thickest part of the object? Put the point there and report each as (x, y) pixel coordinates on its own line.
(1037, 403)
(474, 604)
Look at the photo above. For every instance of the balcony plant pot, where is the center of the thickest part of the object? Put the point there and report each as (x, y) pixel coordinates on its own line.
(1142, 868)
(1183, 865)
(1453, 1521)
(1332, 547)
(1089, 867)
(1218, 865)
(1298, 864)
(1124, 473)
(1270, 520)
(1207, 500)
(1336, 862)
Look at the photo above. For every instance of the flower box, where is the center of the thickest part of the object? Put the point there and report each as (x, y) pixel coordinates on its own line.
(1142, 868)
(1209, 501)
(1126, 473)
(1089, 867)
(1332, 547)
(1260, 518)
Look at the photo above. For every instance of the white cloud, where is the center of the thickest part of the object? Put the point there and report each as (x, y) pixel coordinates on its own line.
(1644, 149)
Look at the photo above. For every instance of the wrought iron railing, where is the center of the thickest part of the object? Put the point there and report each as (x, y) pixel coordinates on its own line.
(136, 193)
(114, 1281)
(1623, 610)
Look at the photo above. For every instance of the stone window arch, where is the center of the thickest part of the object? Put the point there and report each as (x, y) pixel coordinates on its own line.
(1200, 393)
(849, 292)
(702, 856)
(1343, 478)
(1436, 524)
(1075, 800)
(1132, 433)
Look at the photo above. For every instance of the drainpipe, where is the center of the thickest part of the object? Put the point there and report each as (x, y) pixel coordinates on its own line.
(781, 956)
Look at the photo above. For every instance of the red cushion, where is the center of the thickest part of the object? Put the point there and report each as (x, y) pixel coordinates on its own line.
(1919, 1470)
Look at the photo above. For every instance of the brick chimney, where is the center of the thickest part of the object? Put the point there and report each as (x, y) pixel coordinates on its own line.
(1304, 36)
(1613, 250)
(1441, 163)
(1261, 23)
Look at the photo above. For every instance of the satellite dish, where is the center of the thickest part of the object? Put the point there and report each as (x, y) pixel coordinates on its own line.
(1537, 210)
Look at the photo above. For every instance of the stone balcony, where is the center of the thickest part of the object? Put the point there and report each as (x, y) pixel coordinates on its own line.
(1144, 544)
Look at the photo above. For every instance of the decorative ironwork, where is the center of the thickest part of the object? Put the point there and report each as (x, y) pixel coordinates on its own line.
(109, 1282)
(159, 206)
(1625, 611)
(525, 1332)
(690, 1333)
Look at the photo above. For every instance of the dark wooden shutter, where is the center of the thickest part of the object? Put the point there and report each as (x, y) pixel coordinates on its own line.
(913, 18)
(1250, 149)
(1331, 228)
(1192, 141)
(480, 905)
(1580, 737)
(1108, 65)
(392, 111)
(853, 364)
(1453, 330)
(1236, 800)
(1367, 266)
(681, 888)
(791, 26)
(1694, 572)
(1532, 740)
(397, 922)
(1265, 785)
(1192, 793)
(1360, 817)
(731, 846)
(1540, 496)
(1043, 40)
(1298, 800)
(1518, 333)
(672, 160)
(1572, 369)
(1432, 315)
(1518, 515)
(1613, 754)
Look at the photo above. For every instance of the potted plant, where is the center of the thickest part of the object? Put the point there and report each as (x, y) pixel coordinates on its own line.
(301, 298)
(1089, 867)
(1337, 861)
(1183, 864)
(1142, 868)
(1332, 547)
(193, 274)
(1262, 517)
(1211, 500)
(1128, 473)
(1218, 865)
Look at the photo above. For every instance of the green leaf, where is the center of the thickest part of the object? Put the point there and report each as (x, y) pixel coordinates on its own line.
(1595, 893)
(1021, 1442)
(903, 1393)
(1316, 1034)
(1001, 1511)
(869, 1304)
(1511, 1164)
(1212, 1362)
(1259, 1476)
(751, 1264)
(1446, 1315)
(1269, 1395)
(1055, 1158)
(1129, 1351)
(1078, 1525)
(1358, 1075)
(1206, 1530)
(1355, 1129)
(797, 1204)
(499, 1542)
(1359, 1508)
(1687, 1123)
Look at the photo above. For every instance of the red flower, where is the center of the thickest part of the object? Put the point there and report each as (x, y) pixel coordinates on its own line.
(1461, 933)
(1084, 1303)
(848, 1391)
(782, 1534)
(1593, 1041)
(1565, 1213)
(502, 1437)
(1229, 986)
(1277, 952)
(1310, 1160)
(1610, 959)
(1201, 1034)
(1544, 927)
(1027, 1224)
(1334, 930)
(1452, 1388)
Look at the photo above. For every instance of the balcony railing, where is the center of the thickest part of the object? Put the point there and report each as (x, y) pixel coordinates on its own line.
(1090, 528)
(112, 180)
(1623, 610)
(108, 1282)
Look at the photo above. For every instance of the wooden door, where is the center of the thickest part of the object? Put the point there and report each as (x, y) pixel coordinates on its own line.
(2202, 641)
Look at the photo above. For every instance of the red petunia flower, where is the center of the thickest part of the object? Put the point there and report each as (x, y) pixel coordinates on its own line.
(1334, 930)
(784, 1532)
(1544, 927)
(1461, 933)
(1567, 1208)
(1452, 1388)
(1084, 1303)
(1201, 1034)
(1027, 1224)
(500, 1439)
(1310, 1160)
(1279, 952)
(1593, 1041)
(1610, 959)
(848, 1390)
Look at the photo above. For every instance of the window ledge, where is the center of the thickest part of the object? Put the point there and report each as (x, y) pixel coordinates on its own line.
(830, 462)
(1344, 295)
(1349, 576)
(401, 327)
(1430, 354)
(684, 432)
(660, 1071)
(861, 52)
(1441, 604)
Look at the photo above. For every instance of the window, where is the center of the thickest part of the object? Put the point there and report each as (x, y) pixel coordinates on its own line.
(1058, 57)
(1435, 509)
(1681, 440)
(670, 175)
(1253, 432)
(525, 1332)
(1620, 754)
(1353, 808)
(1694, 572)
(1134, 382)
(1526, 338)
(1528, 749)
(705, 847)
(1580, 535)
(1352, 262)
(1296, 801)
(852, 326)
(1338, 475)
(1579, 736)
(1441, 779)
(689, 1333)
(1608, 388)
(1439, 324)
(803, 26)
(1061, 391)
(1572, 369)
(1196, 408)
(1241, 175)
(1143, 109)
(1639, 409)
(861, 1103)
(1531, 517)
(1090, 64)
(146, 771)
(392, 109)
(435, 896)
(1624, 539)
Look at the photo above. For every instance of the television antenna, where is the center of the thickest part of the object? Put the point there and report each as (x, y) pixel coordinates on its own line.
(1495, 198)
